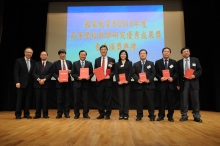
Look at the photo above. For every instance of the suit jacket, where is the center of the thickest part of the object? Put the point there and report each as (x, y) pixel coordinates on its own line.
(159, 66)
(57, 67)
(38, 73)
(195, 65)
(21, 74)
(127, 69)
(150, 71)
(98, 64)
(76, 73)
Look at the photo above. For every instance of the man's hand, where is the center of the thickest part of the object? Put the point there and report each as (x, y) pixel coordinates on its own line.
(140, 82)
(191, 77)
(107, 77)
(178, 87)
(163, 79)
(147, 81)
(170, 79)
(59, 81)
(69, 71)
(18, 85)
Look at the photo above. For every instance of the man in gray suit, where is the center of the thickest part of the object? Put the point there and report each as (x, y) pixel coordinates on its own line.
(189, 84)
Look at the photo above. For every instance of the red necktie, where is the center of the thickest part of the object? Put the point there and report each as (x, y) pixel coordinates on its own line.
(103, 63)
(43, 66)
(64, 67)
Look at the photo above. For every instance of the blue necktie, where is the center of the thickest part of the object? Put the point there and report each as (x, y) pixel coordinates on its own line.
(166, 64)
(142, 69)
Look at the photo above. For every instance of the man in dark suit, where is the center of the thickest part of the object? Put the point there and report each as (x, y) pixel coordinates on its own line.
(24, 82)
(104, 87)
(166, 86)
(63, 88)
(189, 84)
(81, 85)
(42, 76)
(147, 87)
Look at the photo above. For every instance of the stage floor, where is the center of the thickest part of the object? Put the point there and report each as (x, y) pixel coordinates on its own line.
(113, 132)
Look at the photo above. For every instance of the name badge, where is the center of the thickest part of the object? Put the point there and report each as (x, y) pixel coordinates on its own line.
(122, 65)
(193, 64)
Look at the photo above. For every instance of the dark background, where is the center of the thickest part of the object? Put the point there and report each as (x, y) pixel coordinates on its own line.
(23, 24)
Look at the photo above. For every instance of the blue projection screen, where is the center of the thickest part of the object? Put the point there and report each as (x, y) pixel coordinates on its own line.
(119, 27)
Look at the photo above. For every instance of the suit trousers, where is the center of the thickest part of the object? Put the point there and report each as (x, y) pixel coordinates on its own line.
(81, 94)
(123, 97)
(41, 96)
(194, 95)
(23, 98)
(104, 98)
(63, 99)
(166, 95)
(149, 95)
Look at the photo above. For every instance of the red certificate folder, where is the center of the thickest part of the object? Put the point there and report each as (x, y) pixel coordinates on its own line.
(166, 73)
(108, 71)
(143, 76)
(122, 77)
(189, 72)
(99, 73)
(63, 75)
(84, 72)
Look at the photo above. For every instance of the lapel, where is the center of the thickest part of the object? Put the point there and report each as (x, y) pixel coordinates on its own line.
(99, 62)
(59, 65)
(162, 64)
(25, 64)
(191, 61)
(79, 64)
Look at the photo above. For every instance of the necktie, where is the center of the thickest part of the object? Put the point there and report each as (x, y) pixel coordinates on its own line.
(64, 67)
(186, 64)
(103, 63)
(166, 64)
(142, 69)
(43, 66)
(28, 64)
(82, 65)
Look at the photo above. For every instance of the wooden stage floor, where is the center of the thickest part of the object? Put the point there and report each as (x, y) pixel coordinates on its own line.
(113, 132)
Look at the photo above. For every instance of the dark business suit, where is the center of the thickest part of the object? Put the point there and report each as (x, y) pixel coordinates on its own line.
(189, 86)
(24, 77)
(147, 88)
(81, 87)
(124, 89)
(104, 89)
(166, 89)
(63, 89)
(42, 91)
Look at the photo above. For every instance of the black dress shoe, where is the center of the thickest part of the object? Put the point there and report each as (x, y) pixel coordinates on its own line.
(46, 117)
(152, 119)
(67, 116)
(17, 117)
(125, 118)
(120, 118)
(107, 117)
(28, 117)
(171, 119)
(76, 117)
(183, 119)
(198, 120)
(138, 119)
(58, 117)
(160, 119)
(86, 116)
(100, 117)
(36, 117)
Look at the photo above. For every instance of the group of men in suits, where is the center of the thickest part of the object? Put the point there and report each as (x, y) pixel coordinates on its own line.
(42, 71)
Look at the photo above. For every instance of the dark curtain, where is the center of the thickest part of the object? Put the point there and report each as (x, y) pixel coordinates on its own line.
(201, 35)
(24, 25)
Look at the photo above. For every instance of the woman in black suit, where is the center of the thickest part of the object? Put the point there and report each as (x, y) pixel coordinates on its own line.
(123, 66)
